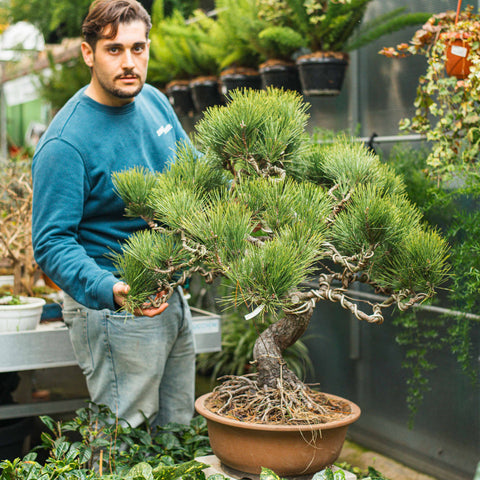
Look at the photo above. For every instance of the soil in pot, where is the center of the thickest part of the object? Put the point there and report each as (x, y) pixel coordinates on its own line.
(180, 97)
(233, 78)
(279, 74)
(288, 449)
(205, 93)
(322, 73)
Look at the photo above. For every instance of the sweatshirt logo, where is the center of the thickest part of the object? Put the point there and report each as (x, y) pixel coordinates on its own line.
(164, 129)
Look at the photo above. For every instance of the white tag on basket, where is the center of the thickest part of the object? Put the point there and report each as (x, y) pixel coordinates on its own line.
(459, 51)
(253, 314)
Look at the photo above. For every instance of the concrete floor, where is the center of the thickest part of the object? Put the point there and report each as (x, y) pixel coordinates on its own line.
(362, 458)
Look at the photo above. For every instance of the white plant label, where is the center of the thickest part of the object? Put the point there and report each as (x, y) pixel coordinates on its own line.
(459, 51)
(253, 314)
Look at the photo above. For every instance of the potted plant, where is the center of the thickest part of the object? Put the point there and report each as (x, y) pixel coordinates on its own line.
(331, 29)
(164, 70)
(267, 208)
(446, 109)
(232, 41)
(188, 43)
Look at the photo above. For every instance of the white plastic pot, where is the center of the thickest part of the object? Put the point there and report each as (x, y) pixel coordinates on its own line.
(15, 318)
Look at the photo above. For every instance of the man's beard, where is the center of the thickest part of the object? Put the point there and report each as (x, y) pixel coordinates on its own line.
(118, 92)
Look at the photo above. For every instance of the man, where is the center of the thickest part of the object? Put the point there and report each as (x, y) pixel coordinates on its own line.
(139, 365)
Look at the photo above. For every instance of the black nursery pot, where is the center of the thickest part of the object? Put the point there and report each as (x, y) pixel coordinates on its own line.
(321, 75)
(180, 97)
(280, 76)
(234, 80)
(205, 93)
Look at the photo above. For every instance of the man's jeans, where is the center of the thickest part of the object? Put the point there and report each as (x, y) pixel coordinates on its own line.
(137, 366)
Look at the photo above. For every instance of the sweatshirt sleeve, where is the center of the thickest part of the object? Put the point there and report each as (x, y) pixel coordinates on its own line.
(60, 187)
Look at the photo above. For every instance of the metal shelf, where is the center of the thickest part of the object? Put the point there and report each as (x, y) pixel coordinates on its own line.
(49, 346)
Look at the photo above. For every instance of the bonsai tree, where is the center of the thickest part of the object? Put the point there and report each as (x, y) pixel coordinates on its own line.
(269, 209)
(446, 109)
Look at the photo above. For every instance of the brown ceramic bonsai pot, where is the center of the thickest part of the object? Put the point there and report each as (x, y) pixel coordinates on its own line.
(286, 449)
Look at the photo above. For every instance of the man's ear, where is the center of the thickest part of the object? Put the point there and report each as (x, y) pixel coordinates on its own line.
(87, 53)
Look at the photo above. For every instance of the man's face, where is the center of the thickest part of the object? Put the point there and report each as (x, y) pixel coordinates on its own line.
(119, 65)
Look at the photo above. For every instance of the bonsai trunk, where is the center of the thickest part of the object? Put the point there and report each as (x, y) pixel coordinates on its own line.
(272, 342)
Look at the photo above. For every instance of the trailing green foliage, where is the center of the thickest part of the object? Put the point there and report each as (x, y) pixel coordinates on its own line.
(446, 108)
(453, 210)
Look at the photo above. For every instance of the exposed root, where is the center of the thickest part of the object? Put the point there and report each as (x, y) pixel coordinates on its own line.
(242, 399)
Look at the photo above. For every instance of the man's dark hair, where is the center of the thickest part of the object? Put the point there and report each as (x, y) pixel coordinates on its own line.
(104, 17)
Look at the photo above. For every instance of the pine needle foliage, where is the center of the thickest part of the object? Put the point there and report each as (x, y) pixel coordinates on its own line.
(222, 229)
(134, 187)
(148, 262)
(280, 203)
(259, 129)
(419, 263)
(175, 207)
(346, 164)
(193, 171)
(265, 275)
(372, 220)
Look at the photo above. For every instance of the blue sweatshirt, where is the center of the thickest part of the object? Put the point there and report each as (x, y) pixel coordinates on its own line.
(78, 219)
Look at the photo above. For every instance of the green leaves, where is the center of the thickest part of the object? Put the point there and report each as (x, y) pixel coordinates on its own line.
(419, 263)
(128, 453)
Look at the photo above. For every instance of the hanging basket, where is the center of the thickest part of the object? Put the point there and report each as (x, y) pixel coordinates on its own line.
(280, 74)
(205, 93)
(322, 73)
(180, 97)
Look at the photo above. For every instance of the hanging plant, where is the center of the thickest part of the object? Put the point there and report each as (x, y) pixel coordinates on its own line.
(446, 107)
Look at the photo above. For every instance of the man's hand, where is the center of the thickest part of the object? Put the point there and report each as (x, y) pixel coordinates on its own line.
(120, 291)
